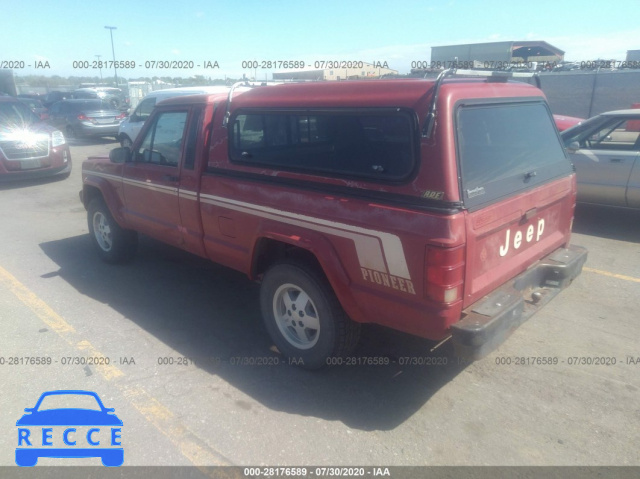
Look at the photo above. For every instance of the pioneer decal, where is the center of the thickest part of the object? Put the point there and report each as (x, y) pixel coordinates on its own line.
(518, 237)
(388, 280)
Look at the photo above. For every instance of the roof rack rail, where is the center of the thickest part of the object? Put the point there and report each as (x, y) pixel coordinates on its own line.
(253, 84)
(491, 75)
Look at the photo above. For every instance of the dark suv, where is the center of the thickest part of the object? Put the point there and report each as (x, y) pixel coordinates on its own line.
(28, 147)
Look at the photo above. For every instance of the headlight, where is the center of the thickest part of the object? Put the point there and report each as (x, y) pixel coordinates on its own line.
(57, 139)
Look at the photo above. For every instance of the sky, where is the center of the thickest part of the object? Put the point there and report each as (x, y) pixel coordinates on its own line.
(232, 32)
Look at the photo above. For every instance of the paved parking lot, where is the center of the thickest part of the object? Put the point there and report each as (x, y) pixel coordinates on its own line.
(195, 379)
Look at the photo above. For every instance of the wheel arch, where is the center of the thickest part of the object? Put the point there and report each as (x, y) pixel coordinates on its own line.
(100, 188)
(312, 250)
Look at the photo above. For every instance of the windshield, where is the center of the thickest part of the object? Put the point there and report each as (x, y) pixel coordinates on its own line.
(505, 148)
(69, 401)
(16, 115)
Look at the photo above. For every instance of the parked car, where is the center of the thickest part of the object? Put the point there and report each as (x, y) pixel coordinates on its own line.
(435, 207)
(36, 106)
(86, 118)
(132, 125)
(113, 96)
(605, 150)
(29, 148)
(565, 66)
(54, 96)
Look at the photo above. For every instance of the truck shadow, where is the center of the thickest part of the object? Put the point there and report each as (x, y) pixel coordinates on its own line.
(211, 314)
(607, 222)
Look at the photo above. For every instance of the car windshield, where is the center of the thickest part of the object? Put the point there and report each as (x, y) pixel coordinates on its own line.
(577, 132)
(16, 115)
(606, 131)
(69, 401)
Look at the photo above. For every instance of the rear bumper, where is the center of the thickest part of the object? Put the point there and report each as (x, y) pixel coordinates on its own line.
(85, 130)
(488, 322)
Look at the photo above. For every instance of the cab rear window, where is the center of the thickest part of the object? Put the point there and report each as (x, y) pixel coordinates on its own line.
(505, 148)
(377, 144)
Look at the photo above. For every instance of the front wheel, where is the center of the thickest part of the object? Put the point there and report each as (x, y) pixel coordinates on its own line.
(125, 141)
(303, 316)
(113, 243)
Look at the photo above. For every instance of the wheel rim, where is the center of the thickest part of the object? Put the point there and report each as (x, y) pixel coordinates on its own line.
(296, 316)
(102, 231)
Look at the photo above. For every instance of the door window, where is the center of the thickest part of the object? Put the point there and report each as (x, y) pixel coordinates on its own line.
(162, 145)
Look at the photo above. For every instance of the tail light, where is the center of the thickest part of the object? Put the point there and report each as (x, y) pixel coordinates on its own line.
(121, 116)
(83, 117)
(444, 273)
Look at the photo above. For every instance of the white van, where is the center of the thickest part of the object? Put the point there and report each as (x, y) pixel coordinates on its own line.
(132, 125)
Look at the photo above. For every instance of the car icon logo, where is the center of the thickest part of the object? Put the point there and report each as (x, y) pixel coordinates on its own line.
(89, 430)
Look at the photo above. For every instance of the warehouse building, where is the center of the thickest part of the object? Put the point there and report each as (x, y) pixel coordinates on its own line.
(497, 54)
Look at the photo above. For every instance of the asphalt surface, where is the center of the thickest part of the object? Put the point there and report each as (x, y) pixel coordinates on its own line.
(196, 381)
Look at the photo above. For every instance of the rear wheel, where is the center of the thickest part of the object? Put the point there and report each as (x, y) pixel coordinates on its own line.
(303, 316)
(113, 243)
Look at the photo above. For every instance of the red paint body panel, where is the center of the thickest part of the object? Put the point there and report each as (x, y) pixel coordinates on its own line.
(563, 122)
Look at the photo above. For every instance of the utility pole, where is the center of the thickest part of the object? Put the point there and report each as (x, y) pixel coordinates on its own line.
(111, 29)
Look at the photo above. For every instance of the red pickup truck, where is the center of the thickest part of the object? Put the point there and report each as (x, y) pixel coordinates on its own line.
(435, 207)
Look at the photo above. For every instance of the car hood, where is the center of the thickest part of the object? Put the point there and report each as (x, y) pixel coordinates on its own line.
(69, 417)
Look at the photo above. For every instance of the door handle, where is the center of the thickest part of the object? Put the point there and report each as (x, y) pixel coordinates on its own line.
(171, 178)
(617, 160)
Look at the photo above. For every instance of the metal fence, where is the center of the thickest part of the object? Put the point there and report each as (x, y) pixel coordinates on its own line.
(587, 93)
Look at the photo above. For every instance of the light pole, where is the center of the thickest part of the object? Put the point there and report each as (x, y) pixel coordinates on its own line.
(111, 29)
(100, 67)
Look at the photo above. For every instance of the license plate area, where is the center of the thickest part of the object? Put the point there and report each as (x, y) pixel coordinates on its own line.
(30, 164)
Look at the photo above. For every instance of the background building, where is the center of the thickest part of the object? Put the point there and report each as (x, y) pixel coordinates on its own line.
(633, 55)
(497, 52)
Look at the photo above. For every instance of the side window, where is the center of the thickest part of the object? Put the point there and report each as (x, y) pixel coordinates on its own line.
(617, 135)
(162, 144)
(375, 144)
(145, 108)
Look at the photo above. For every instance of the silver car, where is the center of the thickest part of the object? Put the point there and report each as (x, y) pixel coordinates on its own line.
(605, 150)
(85, 118)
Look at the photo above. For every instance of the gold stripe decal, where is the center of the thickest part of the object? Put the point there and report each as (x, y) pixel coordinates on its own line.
(372, 247)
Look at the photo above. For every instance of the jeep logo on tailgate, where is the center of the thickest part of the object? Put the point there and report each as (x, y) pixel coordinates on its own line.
(517, 237)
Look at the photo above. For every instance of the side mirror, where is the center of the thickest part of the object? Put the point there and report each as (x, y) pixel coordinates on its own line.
(120, 155)
(573, 146)
(28, 409)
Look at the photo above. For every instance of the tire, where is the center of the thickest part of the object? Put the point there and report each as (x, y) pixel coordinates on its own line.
(303, 316)
(113, 243)
(125, 141)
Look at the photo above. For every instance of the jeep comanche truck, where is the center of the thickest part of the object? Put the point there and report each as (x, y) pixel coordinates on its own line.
(434, 207)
